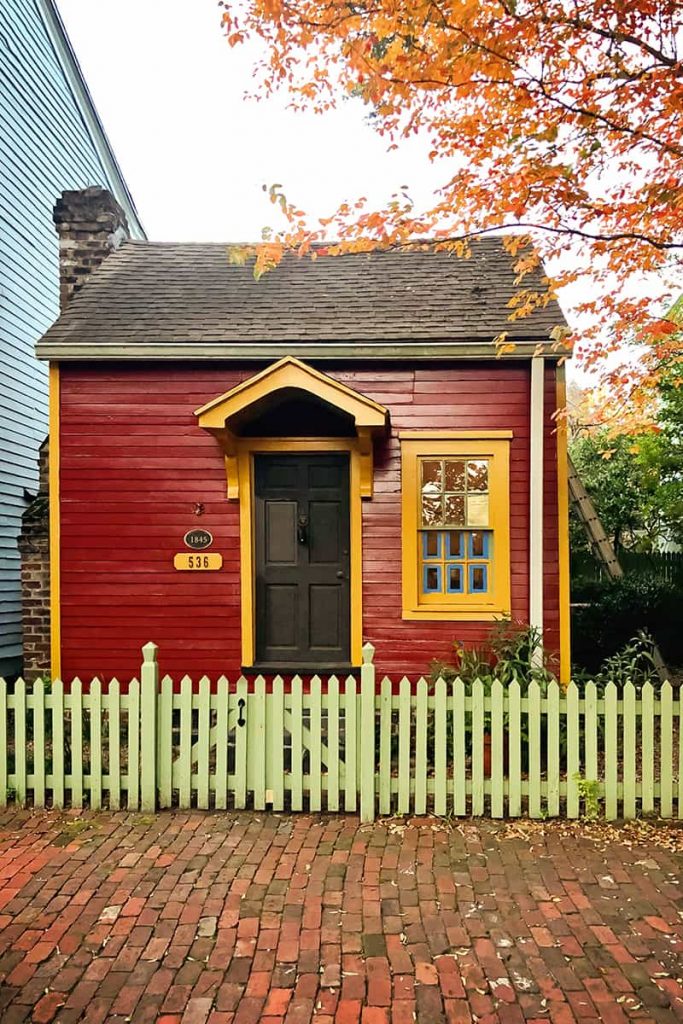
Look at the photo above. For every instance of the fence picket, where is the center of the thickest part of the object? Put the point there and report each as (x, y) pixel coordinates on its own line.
(534, 730)
(420, 801)
(514, 750)
(58, 718)
(133, 745)
(629, 755)
(647, 760)
(275, 721)
(610, 751)
(591, 732)
(165, 743)
(203, 726)
(114, 743)
(333, 744)
(440, 749)
(39, 743)
(221, 769)
(477, 748)
(573, 758)
(95, 745)
(241, 694)
(20, 741)
(316, 726)
(459, 749)
(385, 727)
(350, 759)
(184, 761)
(404, 715)
(553, 715)
(497, 752)
(297, 745)
(680, 756)
(4, 745)
(76, 701)
(256, 742)
(679, 702)
(666, 750)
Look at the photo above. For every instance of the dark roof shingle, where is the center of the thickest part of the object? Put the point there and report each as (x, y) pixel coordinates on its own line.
(162, 294)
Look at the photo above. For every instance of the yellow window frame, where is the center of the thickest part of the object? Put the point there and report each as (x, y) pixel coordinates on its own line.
(494, 446)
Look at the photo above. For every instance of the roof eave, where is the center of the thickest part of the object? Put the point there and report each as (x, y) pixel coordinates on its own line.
(60, 351)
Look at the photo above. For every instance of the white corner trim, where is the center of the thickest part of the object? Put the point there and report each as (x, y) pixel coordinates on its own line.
(536, 494)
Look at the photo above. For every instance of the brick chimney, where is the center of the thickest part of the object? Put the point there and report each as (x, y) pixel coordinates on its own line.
(90, 225)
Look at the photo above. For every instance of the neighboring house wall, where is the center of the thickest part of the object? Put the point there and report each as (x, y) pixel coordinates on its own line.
(134, 464)
(50, 140)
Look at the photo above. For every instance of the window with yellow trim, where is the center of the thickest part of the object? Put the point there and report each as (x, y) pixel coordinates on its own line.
(456, 546)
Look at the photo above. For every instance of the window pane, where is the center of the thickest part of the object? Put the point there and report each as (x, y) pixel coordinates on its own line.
(455, 476)
(432, 579)
(432, 511)
(477, 509)
(432, 478)
(431, 545)
(454, 510)
(455, 544)
(478, 475)
(478, 544)
(455, 573)
(478, 581)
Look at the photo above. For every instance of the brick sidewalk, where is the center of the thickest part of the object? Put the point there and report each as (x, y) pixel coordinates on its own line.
(199, 917)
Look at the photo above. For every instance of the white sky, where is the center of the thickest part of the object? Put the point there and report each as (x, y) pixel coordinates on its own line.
(195, 154)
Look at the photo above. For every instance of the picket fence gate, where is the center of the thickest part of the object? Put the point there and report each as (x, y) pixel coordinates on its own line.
(343, 745)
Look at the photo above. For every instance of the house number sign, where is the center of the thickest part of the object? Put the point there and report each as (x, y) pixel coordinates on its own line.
(198, 540)
(188, 561)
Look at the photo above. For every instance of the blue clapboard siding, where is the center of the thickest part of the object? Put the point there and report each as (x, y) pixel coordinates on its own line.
(50, 140)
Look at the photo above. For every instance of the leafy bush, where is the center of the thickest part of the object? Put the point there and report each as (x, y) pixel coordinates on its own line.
(620, 610)
(512, 651)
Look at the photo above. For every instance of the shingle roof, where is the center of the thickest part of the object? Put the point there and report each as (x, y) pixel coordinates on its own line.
(161, 298)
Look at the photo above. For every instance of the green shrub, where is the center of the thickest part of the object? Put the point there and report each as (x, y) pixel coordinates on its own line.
(619, 611)
(512, 651)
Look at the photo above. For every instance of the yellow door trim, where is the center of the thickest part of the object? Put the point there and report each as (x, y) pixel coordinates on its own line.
(563, 525)
(53, 480)
(246, 449)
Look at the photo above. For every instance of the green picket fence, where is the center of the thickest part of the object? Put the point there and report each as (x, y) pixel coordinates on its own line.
(343, 745)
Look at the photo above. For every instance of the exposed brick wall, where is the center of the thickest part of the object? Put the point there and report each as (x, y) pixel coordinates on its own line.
(34, 545)
(90, 225)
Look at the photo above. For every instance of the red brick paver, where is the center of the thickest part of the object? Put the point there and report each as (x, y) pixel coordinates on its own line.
(198, 918)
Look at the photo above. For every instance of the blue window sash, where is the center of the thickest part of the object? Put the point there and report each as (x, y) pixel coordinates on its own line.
(460, 552)
(487, 542)
(449, 588)
(483, 569)
(426, 569)
(439, 538)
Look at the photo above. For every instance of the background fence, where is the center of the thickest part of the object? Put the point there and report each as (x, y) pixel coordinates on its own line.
(344, 745)
(667, 565)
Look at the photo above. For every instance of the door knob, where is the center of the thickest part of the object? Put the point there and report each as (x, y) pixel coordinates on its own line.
(340, 575)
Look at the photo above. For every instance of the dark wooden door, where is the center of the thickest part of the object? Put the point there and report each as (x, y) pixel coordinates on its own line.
(302, 550)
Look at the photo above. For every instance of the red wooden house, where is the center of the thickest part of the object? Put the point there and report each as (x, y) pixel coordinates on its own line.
(264, 475)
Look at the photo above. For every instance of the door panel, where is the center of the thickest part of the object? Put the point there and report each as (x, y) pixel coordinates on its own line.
(280, 531)
(281, 618)
(325, 618)
(302, 561)
(324, 532)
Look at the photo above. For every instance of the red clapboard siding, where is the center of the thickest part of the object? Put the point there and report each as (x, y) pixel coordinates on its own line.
(134, 465)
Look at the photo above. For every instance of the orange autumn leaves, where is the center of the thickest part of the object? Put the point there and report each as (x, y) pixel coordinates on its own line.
(559, 118)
